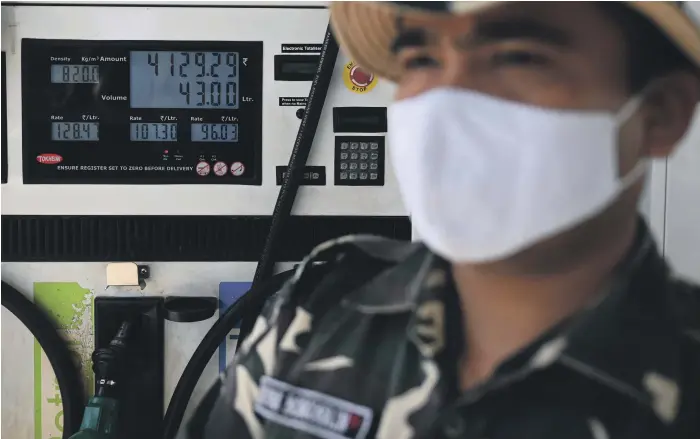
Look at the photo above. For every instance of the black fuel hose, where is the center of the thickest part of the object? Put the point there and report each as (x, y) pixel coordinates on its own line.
(42, 327)
(295, 169)
(251, 304)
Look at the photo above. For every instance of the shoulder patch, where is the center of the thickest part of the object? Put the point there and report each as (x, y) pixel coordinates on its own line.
(312, 412)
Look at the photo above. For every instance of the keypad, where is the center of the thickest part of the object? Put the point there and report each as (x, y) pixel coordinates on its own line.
(359, 161)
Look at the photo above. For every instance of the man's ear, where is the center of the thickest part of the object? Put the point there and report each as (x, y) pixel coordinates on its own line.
(671, 105)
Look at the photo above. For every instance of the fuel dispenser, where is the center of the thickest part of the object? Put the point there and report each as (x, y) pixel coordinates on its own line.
(159, 137)
(153, 155)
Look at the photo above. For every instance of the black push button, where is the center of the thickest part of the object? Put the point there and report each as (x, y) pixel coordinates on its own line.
(359, 120)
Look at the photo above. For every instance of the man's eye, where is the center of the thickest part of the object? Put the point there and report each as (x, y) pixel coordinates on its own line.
(420, 61)
(519, 58)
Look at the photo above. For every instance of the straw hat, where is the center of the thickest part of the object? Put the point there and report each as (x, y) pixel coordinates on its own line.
(366, 30)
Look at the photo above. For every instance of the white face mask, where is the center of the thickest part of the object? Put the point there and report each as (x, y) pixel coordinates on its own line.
(484, 178)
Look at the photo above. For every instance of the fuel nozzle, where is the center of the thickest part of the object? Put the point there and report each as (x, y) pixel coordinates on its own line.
(102, 411)
(107, 363)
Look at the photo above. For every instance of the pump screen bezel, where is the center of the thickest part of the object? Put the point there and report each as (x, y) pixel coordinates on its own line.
(115, 158)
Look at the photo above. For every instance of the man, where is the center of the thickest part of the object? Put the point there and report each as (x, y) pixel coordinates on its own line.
(538, 305)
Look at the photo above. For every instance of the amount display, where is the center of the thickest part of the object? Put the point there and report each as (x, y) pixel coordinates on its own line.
(75, 74)
(214, 132)
(184, 79)
(153, 132)
(75, 131)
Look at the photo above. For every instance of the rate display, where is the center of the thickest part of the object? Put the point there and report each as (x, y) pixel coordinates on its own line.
(75, 131)
(162, 79)
(214, 132)
(153, 132)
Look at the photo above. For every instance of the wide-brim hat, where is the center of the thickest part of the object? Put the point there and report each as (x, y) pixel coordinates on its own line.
(366, 30)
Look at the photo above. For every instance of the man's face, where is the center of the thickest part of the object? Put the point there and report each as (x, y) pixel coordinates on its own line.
(560, 55)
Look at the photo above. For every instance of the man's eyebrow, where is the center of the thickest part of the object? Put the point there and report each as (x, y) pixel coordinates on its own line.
(522, 29)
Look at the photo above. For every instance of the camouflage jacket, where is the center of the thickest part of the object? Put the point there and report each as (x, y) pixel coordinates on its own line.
(370, 347)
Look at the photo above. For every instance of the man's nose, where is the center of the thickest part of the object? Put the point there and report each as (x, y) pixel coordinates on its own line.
(457, 68)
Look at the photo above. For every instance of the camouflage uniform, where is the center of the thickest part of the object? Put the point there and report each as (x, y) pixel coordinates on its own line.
(369, 348)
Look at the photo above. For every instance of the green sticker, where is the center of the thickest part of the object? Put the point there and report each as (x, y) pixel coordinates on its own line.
(71, 307)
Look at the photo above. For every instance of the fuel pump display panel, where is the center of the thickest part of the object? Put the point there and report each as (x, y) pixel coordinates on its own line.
(141, 112)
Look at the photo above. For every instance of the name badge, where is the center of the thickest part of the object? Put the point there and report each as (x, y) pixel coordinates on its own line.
(312, 412)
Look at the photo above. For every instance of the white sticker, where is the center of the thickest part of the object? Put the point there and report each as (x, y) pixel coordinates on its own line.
(237, 169)
(312, 412)
(220, 169)
(203, 168)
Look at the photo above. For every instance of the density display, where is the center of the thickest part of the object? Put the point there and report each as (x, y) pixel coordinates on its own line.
(141, 112)
(75, 74)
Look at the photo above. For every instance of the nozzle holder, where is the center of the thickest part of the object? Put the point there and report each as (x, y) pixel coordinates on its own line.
(139, 357)
(189, 309)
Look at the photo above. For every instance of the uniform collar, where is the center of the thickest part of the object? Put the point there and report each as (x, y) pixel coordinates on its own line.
(630, 340)
(398, 288)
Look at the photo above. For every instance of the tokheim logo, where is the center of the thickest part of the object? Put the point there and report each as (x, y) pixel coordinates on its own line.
(49, 159)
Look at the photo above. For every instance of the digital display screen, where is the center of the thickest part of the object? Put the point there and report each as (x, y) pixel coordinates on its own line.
(144, 112)
(153, 132)
(214, 132)
(75, 74)
(162, 79)
(308, 68)
(75, 131)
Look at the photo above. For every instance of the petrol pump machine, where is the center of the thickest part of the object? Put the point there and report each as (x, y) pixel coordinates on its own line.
(159, 137)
